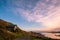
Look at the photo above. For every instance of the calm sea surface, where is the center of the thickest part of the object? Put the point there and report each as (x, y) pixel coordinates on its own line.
(52, 35)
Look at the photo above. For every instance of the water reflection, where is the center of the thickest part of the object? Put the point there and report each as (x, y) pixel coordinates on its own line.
(52, 35)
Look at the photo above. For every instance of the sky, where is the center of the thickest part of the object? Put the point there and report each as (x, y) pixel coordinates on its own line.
(32, 15)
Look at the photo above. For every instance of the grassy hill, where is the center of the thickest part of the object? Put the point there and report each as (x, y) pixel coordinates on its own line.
(8, 32)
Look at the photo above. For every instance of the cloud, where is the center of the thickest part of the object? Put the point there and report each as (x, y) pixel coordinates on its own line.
(46, 12)
(50, 20)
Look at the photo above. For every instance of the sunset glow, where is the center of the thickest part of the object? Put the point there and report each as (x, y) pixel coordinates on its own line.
(30, 15)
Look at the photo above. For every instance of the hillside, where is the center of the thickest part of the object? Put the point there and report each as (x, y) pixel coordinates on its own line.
(10, 31)
(7, 31)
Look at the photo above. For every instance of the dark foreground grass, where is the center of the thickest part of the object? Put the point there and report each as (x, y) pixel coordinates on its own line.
(34, 38)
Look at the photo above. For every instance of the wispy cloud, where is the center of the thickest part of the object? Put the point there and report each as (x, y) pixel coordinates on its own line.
(46, 12)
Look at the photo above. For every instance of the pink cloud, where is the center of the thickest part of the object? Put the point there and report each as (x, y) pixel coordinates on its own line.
(50, 22)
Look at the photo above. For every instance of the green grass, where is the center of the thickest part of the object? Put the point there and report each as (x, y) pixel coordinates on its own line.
(17, 35)
(33, 38)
